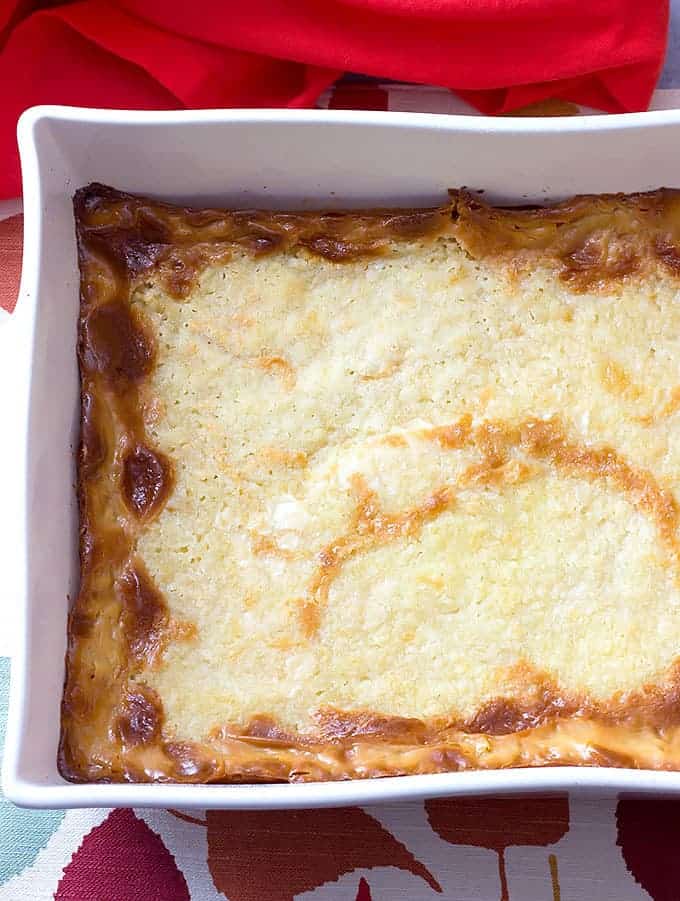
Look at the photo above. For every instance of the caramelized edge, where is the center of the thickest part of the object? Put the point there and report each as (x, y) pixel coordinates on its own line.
(594, 241)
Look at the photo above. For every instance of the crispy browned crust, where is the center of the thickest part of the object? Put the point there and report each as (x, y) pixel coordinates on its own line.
(112, 723)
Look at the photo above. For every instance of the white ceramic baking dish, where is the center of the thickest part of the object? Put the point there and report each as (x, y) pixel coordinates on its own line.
(251, 158)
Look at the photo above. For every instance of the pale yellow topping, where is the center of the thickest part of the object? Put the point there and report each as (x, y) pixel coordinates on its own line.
(291, 390)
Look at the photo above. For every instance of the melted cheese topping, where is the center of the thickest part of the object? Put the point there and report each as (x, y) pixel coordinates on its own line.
(337, 543)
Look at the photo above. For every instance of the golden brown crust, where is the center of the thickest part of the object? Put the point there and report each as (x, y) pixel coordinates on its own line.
(112, 723)
(138, 234)
(595, 240)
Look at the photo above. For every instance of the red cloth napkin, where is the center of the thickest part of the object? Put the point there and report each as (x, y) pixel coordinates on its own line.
(164, 54)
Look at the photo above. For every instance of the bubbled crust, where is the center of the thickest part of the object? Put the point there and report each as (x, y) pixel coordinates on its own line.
(113, 725)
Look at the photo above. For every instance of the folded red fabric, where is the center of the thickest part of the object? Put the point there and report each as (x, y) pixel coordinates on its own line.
(164, 54)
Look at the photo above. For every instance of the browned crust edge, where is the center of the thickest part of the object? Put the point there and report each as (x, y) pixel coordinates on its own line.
(123, 482)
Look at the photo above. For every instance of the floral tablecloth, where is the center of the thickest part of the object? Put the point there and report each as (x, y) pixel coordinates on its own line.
(524, 849)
